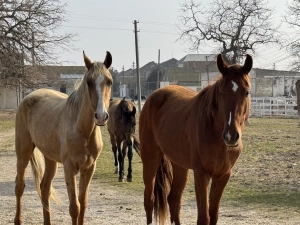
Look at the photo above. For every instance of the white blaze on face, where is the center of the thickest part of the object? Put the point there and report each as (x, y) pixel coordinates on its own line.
(101, 110)
(229, 121)
(235, 86)
(228, 136)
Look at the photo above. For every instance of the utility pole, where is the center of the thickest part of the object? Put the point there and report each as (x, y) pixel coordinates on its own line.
(207, 73)
(157, 84)
(123, 75)
(132, 73)
(132, 84)
(137, 66)
(123, 84)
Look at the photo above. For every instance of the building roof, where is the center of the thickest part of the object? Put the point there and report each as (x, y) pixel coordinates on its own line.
(199, 57)
(71, 76)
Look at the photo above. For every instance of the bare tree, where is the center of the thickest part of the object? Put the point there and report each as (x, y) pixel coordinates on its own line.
(293, 19)
(233, 27)
(29, 36)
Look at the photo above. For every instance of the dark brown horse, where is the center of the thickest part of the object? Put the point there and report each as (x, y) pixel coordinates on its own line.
(180, 129)
(65, 129)
(121, 128)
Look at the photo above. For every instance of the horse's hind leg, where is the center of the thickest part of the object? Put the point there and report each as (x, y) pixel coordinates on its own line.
(50, 171)
(84, 182)
(24, 150)
(151, 156)
(114, 149)
(180, 178)
(130, 155)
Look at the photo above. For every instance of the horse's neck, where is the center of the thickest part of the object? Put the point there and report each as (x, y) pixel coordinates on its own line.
(83, 111)
(208, 100)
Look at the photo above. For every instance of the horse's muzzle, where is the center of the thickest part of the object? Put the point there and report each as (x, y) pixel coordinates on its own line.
(101, 120)
(231, 138)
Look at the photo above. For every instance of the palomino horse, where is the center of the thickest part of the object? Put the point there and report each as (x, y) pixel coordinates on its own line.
(180, 129)
(121, 128)
(65, 130)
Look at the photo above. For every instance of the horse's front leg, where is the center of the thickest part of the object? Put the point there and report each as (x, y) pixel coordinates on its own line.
(216, 191)
(84, 182)
(121, 161)
(70, 177)
(114, 148)
(201, 186)
(130, 155)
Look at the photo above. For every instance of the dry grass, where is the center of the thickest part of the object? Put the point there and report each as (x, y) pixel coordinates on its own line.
(266, 175)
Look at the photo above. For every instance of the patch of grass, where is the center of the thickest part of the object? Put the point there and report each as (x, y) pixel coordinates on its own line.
(7, 143)
(7, 137)
(6, 125)
(105, 169)
(265, 175)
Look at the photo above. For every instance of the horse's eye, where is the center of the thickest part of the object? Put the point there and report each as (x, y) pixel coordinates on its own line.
(247, 93)
(109, 83)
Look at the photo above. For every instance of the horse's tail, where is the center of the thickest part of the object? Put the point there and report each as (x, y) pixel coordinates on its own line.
(162, 186)
(37, 166)
(136, 145)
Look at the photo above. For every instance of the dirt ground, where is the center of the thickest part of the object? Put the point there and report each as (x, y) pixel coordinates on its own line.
(106, 206)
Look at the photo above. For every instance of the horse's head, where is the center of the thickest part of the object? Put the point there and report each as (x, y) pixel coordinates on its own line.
(128, 112)
(99, 81)
(234, 102)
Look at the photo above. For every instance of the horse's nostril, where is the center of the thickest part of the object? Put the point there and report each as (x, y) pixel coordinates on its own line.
(224, 136)
(237, 136)
(106, 117)
(96, 116)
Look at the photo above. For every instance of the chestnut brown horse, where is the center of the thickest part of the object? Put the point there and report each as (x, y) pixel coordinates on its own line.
(180, 129)
(65, 129)
(121, 129)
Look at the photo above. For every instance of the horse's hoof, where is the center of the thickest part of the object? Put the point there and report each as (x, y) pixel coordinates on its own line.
(129, 179)
(121, 180)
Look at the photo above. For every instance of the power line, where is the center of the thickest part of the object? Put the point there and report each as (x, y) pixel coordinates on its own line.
(97, 28)
(116, 19)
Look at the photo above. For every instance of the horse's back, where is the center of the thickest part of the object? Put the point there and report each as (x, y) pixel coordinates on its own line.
(39, 116)
(41, 102)
(166, 98)
(164, 119)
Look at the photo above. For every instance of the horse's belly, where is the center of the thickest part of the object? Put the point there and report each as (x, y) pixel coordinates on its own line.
(46, 139)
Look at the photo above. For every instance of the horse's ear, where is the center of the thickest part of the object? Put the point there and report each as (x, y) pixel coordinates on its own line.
(87, 61)
(248, 64)
(108, 60)
(222, 66)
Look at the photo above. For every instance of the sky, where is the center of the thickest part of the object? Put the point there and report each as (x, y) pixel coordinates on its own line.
(103, 26)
